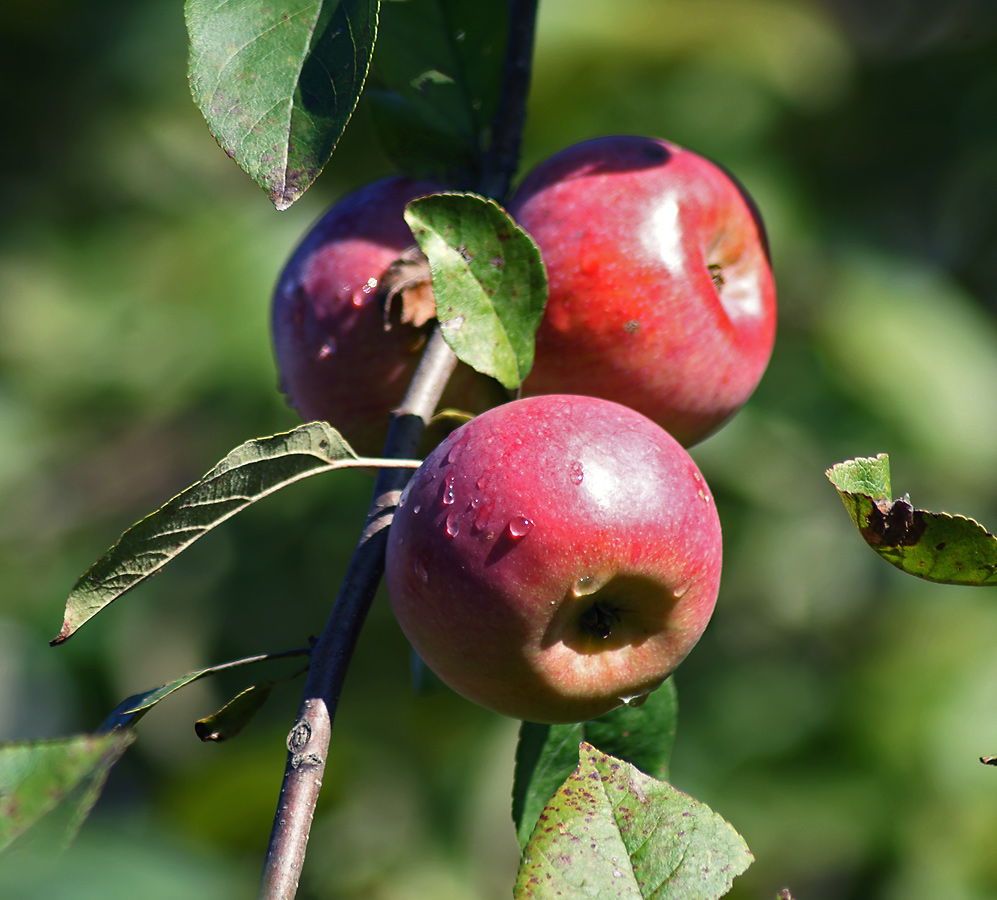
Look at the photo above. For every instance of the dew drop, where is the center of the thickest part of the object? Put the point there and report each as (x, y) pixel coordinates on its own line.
(635, 700)
(586, 585)
(617, 873)
(519, 527)
(416, 509)
(482, 482)
(681, 591)
(327, 349)
(577, 472)
(421, 570)
(448, 495)
(453, 525)
(484, 514)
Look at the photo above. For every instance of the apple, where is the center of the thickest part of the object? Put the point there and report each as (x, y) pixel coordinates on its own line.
(342, 356)
(661, 289)
(555, 557)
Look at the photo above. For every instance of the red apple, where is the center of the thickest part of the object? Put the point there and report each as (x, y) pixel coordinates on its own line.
(340, 357)
(555, 557)
(661, 290)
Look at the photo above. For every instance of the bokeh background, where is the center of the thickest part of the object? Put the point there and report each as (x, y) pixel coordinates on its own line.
(835, 710)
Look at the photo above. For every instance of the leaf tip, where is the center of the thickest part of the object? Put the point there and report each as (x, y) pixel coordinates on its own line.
(64, 634)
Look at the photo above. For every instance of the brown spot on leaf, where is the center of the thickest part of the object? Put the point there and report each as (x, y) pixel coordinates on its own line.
(895, 524)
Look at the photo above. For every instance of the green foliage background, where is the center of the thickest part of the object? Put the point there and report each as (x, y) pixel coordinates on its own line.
(836, 708)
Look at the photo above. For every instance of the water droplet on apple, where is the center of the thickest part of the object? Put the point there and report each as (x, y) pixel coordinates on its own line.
(327, 349)
(519, 527)
(586, 585)
(453, 525)
(577, 472)
(448, 495)
(635, 700)
(416, 509)
(681, 591)
(483, 515)
(617, 873)
(421, 569)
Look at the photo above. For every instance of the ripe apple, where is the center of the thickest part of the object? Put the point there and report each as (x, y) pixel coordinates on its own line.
(555, 557)
(661, 290)
(341, 356)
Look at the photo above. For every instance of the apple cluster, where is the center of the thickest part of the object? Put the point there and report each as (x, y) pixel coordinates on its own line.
(558, 554)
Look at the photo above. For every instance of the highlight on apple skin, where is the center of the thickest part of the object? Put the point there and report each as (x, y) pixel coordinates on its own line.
(661, 289)
(555, 557)
(340, 356)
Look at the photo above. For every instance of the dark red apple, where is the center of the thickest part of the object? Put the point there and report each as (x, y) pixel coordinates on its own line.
(661, 289)
(341, 357)
(555, 557)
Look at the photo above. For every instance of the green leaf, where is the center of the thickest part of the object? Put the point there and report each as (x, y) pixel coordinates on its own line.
(488, 280)
(612, 831)
(68, 774)
(249, 473)
(437, 74)
(547, 754)
(938, 547)
(234, 715)
(129, 711)
(278, 82)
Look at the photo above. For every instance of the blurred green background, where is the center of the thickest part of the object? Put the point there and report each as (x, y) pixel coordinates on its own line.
(835, 710)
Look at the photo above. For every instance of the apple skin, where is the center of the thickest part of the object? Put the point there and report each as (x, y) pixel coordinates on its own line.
(636, 234)
(555, 557)
(336, 358)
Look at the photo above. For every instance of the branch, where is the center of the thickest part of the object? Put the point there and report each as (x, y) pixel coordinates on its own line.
(308, 741)
(502, 159)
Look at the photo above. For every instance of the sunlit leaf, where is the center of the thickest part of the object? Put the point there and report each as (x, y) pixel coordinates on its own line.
(277, 82)
(488, 279)
(130, 710)
(939, 547)
(436, 75)
(612, 831)
(39, 777)
(249, 473)
(548, 754)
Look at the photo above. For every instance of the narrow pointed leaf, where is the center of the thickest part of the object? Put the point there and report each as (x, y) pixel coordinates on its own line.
(249, 473)
(39, 777)
(234, 715)
(129, 711)
(488, 280)
(278, 82)
(612, 831)
(939, 547)
(548, 754)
